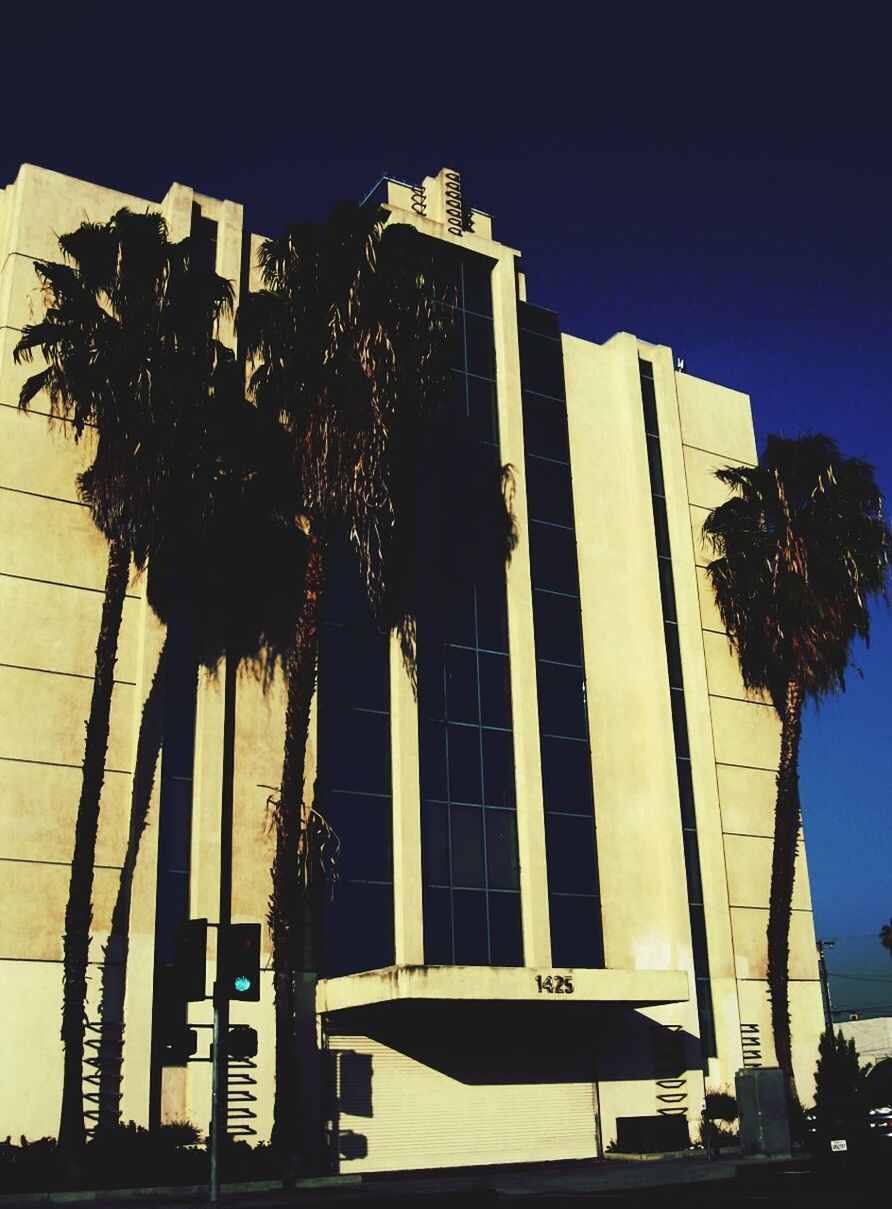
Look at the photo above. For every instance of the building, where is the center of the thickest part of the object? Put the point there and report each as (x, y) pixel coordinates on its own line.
(549, 930)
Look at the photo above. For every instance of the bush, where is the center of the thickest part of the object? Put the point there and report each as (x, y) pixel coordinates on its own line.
(129, 1156)
(720, 1106)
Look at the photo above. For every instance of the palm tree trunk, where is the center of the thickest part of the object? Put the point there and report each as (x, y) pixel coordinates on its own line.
(783, 866)
(114, 966)
(296, 1128)
(79, 911)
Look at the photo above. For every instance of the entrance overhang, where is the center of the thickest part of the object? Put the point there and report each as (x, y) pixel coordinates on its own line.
(556, 988)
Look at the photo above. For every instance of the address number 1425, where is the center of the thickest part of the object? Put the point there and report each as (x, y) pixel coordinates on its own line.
(554, 984)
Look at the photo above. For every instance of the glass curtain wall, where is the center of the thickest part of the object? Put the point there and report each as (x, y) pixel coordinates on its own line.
(679, 717)
(469, 832)
(571, 848)
(354, 781)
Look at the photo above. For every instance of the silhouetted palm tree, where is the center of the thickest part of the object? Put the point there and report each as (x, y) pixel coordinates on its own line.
(129, 340)
(349, 355)
(886, 936)
(801, 547)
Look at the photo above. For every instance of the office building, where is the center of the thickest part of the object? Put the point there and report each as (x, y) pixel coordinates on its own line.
(548, 931)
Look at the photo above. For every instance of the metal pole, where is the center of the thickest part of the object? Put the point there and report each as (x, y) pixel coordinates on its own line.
(825, 983)
(220, 1090)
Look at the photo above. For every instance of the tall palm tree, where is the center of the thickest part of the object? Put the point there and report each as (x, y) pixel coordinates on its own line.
(346, 341)
(801, 548)
(129, 341)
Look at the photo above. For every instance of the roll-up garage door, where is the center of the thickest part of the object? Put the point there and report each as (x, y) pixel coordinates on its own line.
(392, 1112)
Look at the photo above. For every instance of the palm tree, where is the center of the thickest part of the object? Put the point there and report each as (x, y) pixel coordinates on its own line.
(129, 340)
(801, 547)
(886, 936)
(347, 347)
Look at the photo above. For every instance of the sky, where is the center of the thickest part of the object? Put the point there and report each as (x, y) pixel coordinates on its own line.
(715, 178)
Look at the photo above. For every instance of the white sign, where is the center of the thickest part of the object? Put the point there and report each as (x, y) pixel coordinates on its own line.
(839, 1144)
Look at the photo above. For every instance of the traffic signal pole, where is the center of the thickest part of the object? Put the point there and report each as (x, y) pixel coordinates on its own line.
(220, 1087)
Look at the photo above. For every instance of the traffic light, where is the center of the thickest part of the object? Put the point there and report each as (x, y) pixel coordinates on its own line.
(242, 1041)
(179, 1045)
(238, 974)
(190, 957)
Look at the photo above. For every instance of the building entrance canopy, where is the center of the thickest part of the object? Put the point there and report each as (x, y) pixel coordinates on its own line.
(565, 989)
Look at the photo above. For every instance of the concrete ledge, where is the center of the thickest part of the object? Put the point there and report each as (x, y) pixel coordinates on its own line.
(632, 988)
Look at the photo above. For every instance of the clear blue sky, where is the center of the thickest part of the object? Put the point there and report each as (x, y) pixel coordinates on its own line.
(713, 178)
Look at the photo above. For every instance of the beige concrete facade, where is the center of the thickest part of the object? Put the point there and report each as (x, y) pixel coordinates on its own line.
(52, 566)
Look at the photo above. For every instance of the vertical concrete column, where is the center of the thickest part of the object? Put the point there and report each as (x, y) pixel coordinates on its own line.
(408, 923)
(524, 699)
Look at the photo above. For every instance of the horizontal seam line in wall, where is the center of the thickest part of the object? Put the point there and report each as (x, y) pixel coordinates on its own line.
(51, 671)
(45, 961)
(743, 700)
(730, 461)
(39, 495)
(58, 764)
(754, 907)
(57, 583)
(754, 835)
(788, 980)
(27, 860)
(754, 767)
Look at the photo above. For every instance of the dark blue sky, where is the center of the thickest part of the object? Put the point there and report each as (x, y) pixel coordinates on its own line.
(714, 178)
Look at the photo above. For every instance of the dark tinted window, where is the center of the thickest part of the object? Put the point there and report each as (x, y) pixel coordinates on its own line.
(482, 409)
(365, 852)
(479, 346)
(437, 926)
(461, 685)
(506, 938)
(679, 722)
(566, 775)
(549, 496)
(543, 365)
(561, 701)
(553, 558)
(495, 690)
(501, 849)
(498, 767)
(354, 668)
(575, 931)
(464, 763)
(655, 466)
(558, 635)
(673, 655)
(539, 320)
(545, 427)
(570, 843)
(363, 764)
(432, 756)
(359, 932)
(467, 846)
(435, 842)
(686, 793)
(470, 922)
(477, 281)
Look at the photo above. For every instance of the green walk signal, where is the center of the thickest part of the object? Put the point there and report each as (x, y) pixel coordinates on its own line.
(239, 972)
